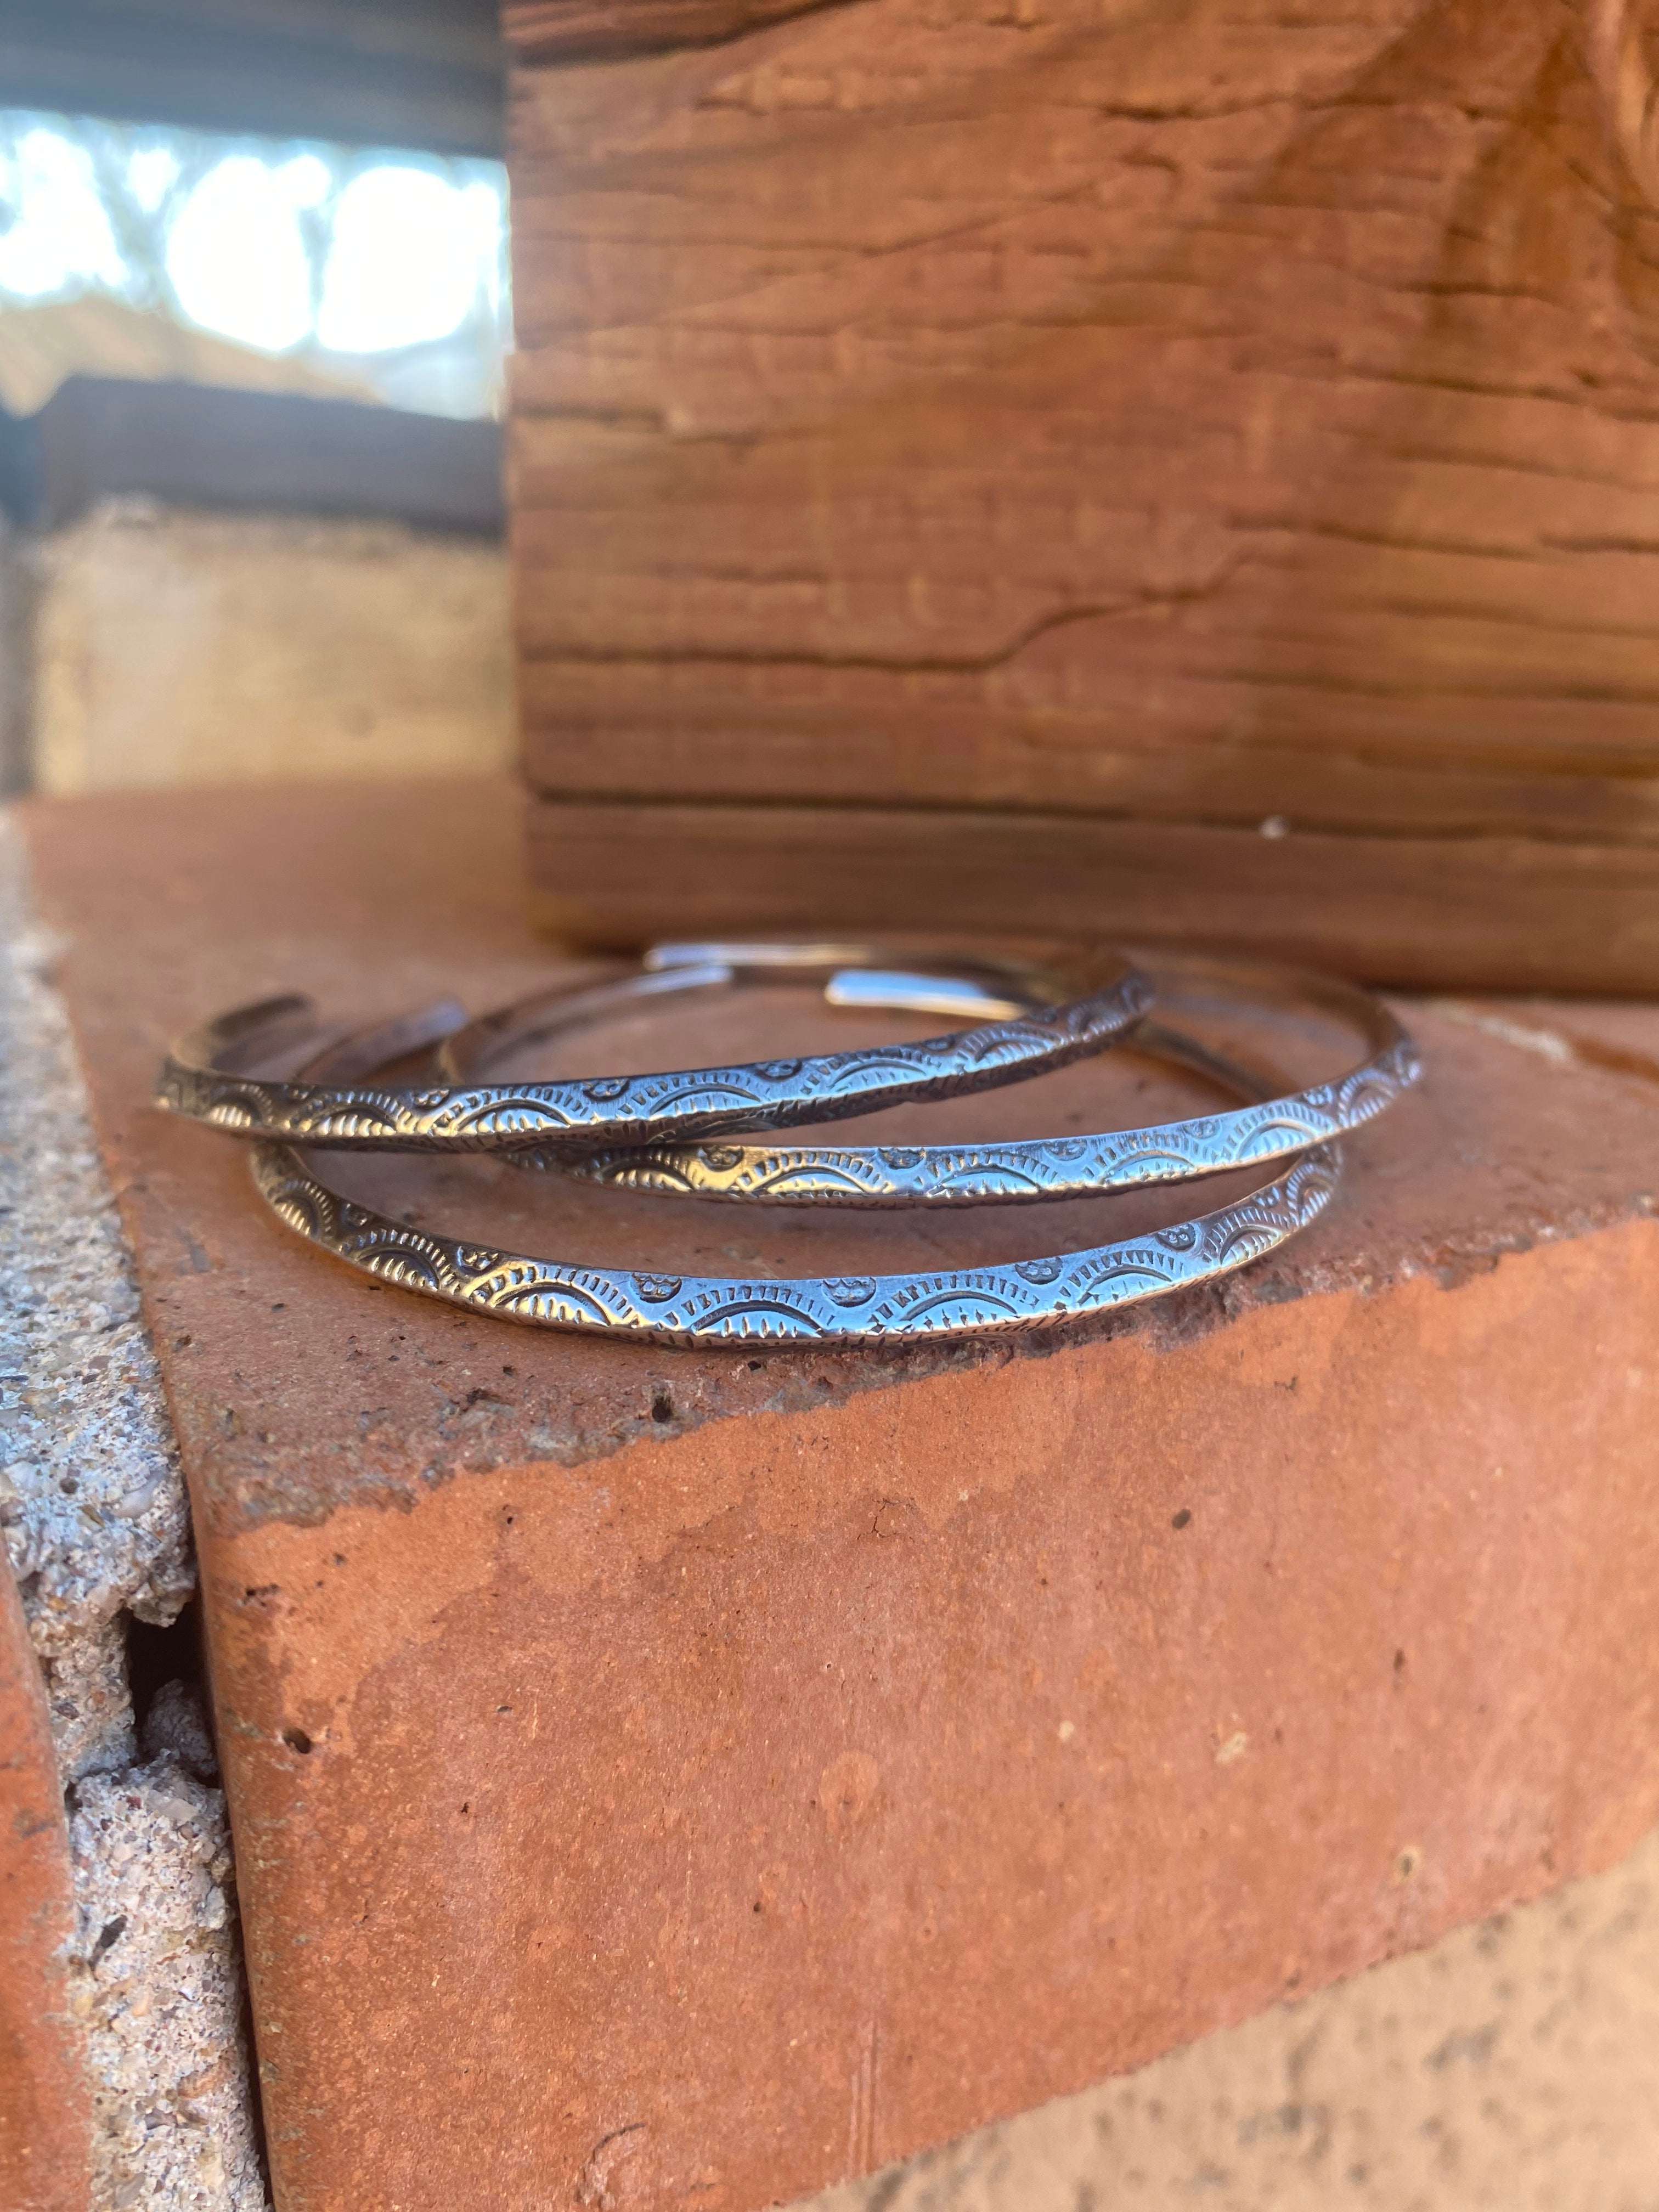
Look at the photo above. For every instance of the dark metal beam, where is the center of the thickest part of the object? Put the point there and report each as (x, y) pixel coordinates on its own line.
(198, 445)
(426, 73)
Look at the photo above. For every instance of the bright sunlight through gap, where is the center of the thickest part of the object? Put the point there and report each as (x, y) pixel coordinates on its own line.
(393, 262)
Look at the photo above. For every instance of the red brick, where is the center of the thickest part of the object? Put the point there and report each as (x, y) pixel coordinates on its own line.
(44, 2102)
(688, 1812)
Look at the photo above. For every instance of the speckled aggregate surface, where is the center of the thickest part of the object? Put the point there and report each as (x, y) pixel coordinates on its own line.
(91, 1500)
(158, 1981)
(97, 1529)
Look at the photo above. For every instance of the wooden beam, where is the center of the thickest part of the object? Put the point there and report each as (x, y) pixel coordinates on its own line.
(1197, 415)
(1505, 914)
(583, 30)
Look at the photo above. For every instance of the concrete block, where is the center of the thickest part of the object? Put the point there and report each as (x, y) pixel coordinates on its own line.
(174, 647)
(92, 1512)
(682, 1779)
(158, 1989)
(123, 2071)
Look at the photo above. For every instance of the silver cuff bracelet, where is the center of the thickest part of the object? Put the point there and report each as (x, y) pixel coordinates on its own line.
(1022, 1025)
(847, 1309)
(1035, 1168)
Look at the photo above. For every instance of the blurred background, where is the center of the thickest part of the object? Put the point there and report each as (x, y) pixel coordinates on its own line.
(254, 319)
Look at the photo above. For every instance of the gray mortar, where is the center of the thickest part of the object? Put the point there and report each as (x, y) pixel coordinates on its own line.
(158, 1983)
(97, 1529)
(91, 1501)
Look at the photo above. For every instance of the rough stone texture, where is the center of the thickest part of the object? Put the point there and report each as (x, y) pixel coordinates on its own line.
(159, 1985)
(45, 2106)
(96, 1525)
(1515, 2065)
(698, 1778)
(177, 1722)
(91, 1703)
(171, 647)
(92, 1503)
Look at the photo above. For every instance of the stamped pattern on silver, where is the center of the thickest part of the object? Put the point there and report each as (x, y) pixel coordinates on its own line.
(198, 1079)
(991, 1300)
(1249, 1136)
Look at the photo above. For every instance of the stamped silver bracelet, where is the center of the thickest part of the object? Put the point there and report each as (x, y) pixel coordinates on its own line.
(850, 1310)
(1018, 1023)
(847, 1308)
(1037, 1168)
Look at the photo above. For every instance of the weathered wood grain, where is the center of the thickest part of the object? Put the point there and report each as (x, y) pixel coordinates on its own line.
(567, 30)
(1442, 913)
(1200, 412)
